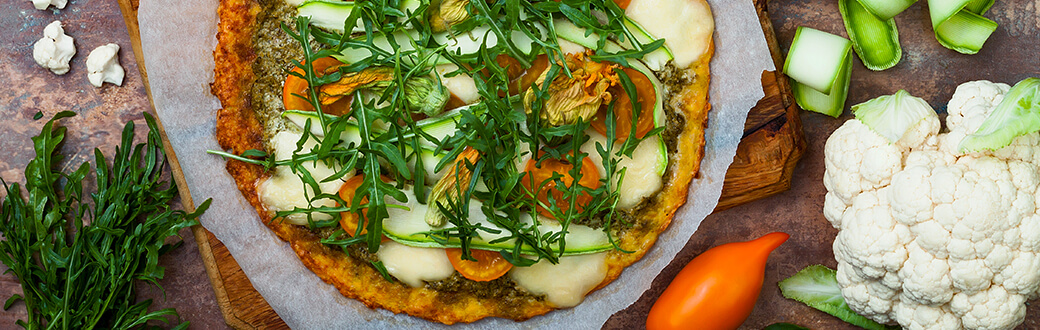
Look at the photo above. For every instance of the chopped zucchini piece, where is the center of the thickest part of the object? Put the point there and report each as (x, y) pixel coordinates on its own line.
(832, 104)
(957, 27)
(979, 6)
(875, 40)
(816, 57)
(886, 9)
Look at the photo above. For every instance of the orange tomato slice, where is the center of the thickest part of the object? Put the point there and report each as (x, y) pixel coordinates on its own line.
(349, 220)
(520, 78)
(623, 108)
(538, 177)
(489, 265)
(298, 86)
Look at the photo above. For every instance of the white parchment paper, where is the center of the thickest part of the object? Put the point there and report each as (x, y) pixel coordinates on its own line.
(178, 39)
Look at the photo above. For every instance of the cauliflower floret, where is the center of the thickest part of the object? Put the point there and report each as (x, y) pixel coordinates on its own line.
(971, 103)
(55, 49)
(991, 309)
(43, 4)
(103, 66)
(929, 237)
(861, 161)
(871, 297)
(915, 316)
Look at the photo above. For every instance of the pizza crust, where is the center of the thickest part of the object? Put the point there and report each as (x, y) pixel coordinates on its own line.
(238, 130)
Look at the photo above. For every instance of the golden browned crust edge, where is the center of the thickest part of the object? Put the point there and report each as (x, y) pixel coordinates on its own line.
(239, 130)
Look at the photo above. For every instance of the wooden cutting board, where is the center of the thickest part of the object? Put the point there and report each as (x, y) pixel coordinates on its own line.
(771, 146)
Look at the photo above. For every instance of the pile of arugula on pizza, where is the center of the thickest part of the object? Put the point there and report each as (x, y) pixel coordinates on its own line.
(458, 159)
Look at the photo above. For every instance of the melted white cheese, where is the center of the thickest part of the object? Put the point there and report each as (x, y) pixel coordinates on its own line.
(643, 174)
(462, 86)
(569, 47)
(414, 265)
(284, 190)
(685, 25)
(564, 284)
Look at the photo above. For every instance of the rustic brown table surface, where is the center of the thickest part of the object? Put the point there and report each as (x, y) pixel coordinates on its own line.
(927, 70)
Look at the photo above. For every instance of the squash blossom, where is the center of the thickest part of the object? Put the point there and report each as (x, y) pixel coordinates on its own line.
(450, 188)
(445, 13)
(577, 97)
(423, 94)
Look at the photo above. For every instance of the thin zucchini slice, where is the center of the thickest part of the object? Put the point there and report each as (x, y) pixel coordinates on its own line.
(439, 127)
(957, 27)
(875, 40)
(566, 30)
(332, 15)
(886, 9)
(832, 104)
(381, 43)
(816, 57)
(656, 59)
(470, 42)
(328, 14)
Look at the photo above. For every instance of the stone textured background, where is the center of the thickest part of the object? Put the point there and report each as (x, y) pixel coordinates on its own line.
(927, 70)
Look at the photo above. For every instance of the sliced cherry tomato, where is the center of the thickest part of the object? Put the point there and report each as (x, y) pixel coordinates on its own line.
(622, 3)
(489, 265)
(538, 176)
(520, 79)
(349, 220)
(623, 108)
(298, 86)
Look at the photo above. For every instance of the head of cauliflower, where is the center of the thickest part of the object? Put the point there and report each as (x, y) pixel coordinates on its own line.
(929, 237)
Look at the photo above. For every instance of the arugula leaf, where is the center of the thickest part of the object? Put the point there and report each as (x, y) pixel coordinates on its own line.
(78, 261)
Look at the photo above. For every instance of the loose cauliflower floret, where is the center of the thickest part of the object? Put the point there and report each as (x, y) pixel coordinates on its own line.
(43, 4)
(929, 237)
(55, 49)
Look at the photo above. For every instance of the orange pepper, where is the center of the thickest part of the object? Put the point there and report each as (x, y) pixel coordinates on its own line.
(717, 289)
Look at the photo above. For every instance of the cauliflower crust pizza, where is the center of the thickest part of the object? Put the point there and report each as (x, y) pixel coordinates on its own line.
(455, 159)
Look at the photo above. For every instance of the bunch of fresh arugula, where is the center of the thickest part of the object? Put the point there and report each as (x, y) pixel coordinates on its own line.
(77, 260)
(495, 127)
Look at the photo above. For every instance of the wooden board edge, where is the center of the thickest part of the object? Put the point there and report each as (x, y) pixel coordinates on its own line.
(129, 11)
(216, 281)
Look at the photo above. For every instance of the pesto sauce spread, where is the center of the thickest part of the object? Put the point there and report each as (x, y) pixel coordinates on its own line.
(274, 52)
